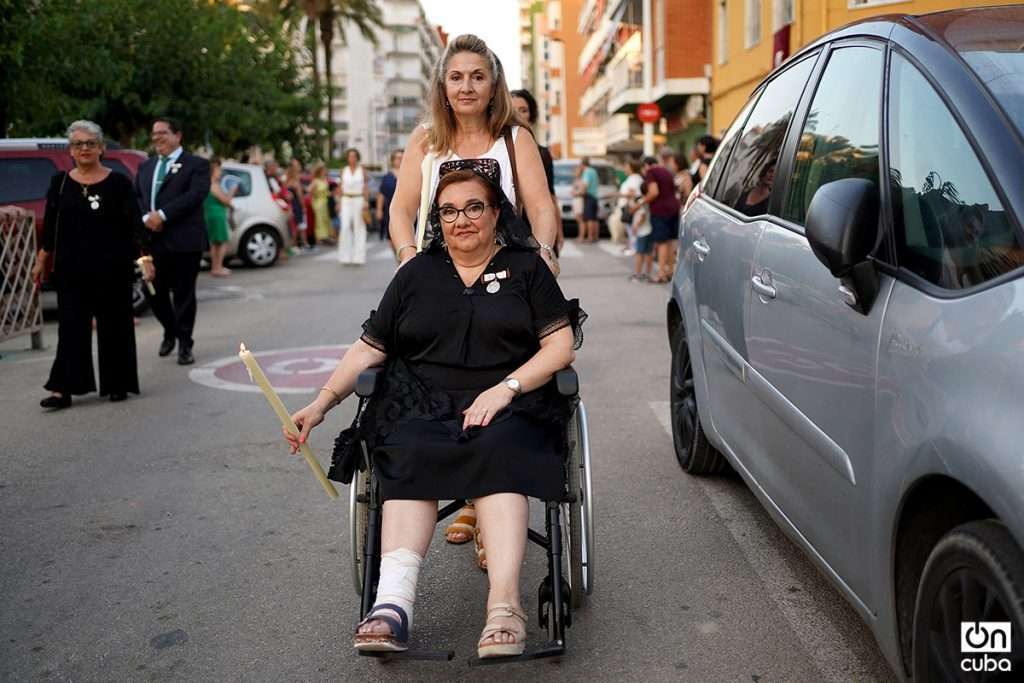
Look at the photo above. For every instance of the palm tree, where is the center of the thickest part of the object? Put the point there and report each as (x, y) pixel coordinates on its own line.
(328, 18)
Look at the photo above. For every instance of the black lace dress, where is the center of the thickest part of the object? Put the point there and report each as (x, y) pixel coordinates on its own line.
(446, 343)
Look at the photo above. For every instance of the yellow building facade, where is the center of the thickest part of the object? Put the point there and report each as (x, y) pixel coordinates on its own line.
(746, 34)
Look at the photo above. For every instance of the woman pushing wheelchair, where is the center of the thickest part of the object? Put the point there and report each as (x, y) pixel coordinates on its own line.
(470, 335)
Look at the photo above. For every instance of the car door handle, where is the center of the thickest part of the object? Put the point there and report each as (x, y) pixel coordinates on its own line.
(761, 288)
(702, 249)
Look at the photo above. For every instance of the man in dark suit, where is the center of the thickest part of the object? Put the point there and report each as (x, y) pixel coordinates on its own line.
(171, 188)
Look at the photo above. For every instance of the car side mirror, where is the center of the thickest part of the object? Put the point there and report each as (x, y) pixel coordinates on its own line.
(842, 229)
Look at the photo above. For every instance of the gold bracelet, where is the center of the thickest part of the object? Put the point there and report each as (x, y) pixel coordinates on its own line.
(337, 396)
(398, 252)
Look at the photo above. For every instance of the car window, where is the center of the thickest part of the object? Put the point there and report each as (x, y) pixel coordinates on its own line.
(606, 175)
(950, 226)
(716, 169)
(840, 136)
(564, 174)
(117, 167)
(25, 180)
(757, 150)
(233, 177)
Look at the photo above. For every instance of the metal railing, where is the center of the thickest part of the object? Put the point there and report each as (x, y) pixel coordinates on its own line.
(20, 311)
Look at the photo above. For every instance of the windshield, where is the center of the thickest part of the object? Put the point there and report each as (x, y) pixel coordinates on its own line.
(1003, 73)
(564, 174)
(990, 40)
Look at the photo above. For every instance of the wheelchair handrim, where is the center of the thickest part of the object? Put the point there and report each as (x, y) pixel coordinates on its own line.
(587, 518)
(357, 528)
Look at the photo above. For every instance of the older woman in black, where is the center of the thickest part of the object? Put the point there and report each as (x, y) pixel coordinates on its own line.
(470, 333)
(94, 229)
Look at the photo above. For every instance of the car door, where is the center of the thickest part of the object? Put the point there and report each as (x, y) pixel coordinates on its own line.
(812, 355)
(723, 241)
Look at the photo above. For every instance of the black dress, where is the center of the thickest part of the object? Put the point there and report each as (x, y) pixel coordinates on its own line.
(446, 343)
(94, 239)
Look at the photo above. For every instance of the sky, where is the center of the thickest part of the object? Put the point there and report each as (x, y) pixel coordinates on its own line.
(496, 21)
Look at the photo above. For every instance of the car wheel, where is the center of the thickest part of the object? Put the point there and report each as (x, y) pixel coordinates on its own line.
(975, 573)
(259, 247)
(139, 300)
(695, 454)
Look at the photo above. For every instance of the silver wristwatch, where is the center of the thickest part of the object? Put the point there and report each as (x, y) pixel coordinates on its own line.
(513, 384)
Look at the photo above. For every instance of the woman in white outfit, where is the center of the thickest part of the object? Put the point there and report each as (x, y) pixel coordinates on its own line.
(354, 196)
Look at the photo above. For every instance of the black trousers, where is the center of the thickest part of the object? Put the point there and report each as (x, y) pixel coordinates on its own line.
(110, 302)
(174, 303)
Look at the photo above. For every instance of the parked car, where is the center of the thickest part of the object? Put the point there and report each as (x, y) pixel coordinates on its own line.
(847, 325)
(259, 221)
(26, 166)
(565, 174)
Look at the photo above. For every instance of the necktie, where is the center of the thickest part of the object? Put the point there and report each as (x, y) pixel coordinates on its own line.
(161, 173)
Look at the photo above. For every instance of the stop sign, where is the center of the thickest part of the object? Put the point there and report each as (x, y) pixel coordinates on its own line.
(649, 112)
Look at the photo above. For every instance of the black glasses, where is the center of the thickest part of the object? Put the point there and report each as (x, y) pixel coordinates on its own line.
(84, 144)
(473, 210)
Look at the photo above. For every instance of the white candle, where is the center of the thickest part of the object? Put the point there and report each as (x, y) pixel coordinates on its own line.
(257, 376)
(149, 285)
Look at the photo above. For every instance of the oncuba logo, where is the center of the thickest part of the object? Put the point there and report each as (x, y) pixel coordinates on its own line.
(981, 639)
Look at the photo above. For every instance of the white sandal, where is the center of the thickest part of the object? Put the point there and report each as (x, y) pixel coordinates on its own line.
(496, 649)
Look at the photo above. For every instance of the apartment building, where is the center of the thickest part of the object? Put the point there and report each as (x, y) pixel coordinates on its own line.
(381, 90)
(611, 66)
(751, 37)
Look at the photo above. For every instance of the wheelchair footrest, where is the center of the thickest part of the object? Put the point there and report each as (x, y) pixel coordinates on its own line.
(432, 655)
(555, 648)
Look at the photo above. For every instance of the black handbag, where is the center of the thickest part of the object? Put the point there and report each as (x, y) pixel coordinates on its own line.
(346, 457)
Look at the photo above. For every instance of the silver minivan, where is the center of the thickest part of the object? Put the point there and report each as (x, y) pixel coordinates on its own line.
(847, 327)
(258, 219)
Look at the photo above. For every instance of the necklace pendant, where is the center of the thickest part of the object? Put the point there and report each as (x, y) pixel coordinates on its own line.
(493, 287)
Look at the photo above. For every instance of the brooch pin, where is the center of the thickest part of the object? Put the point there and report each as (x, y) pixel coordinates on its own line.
(175, 167)
(493, 281)
(94, 202)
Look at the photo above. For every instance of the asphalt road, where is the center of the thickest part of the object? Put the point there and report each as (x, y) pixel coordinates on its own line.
(170, 538)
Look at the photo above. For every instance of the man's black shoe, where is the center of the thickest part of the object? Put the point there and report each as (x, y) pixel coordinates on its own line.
(56, 402)
(118, 396)
(166, 346)
(185, 357)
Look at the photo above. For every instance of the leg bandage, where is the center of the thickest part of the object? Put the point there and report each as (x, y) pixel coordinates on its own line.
(399, 571)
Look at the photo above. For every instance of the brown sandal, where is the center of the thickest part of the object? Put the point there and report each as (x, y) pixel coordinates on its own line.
(481, 554)
(491, 629)
(462, 529)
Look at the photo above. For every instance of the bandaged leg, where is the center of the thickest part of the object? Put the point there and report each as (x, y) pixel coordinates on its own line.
(399, 572)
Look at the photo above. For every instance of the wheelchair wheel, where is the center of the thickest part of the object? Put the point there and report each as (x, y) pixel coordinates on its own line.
(578, 524)
(357, 522)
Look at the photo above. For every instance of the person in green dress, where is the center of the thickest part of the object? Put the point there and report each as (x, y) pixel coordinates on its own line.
(215, 208)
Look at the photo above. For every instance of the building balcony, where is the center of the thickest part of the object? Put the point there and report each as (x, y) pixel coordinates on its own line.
(673, 93)
(594, 95)
(623, 134)
(627, 86)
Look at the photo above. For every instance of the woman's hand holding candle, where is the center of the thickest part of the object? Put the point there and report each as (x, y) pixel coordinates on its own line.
(305, 420)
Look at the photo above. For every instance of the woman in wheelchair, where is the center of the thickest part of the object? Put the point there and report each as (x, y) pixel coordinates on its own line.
(470, 334)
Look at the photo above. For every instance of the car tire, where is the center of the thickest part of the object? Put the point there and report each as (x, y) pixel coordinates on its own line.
(694, 452)
(140, 302)
(974, 573)
(259, 247)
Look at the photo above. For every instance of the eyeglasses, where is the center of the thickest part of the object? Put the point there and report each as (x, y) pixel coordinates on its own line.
(84, 144)
(160, 133)
(473, 210)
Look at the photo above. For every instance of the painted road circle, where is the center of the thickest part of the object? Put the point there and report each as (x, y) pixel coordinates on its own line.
(290, 371)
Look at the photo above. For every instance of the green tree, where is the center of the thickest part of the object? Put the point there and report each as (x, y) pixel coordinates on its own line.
(233, 81)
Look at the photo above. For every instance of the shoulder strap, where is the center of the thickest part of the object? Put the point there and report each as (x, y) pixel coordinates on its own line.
(510, 146)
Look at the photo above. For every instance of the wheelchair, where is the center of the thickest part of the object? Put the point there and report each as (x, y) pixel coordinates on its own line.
(568, 539)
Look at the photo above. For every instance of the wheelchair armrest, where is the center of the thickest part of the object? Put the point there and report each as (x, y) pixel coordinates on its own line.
(366, 385)
(567, 381)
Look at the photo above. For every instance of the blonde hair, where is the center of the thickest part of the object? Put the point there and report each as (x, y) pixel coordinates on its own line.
(319, 169)
(442, 130)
